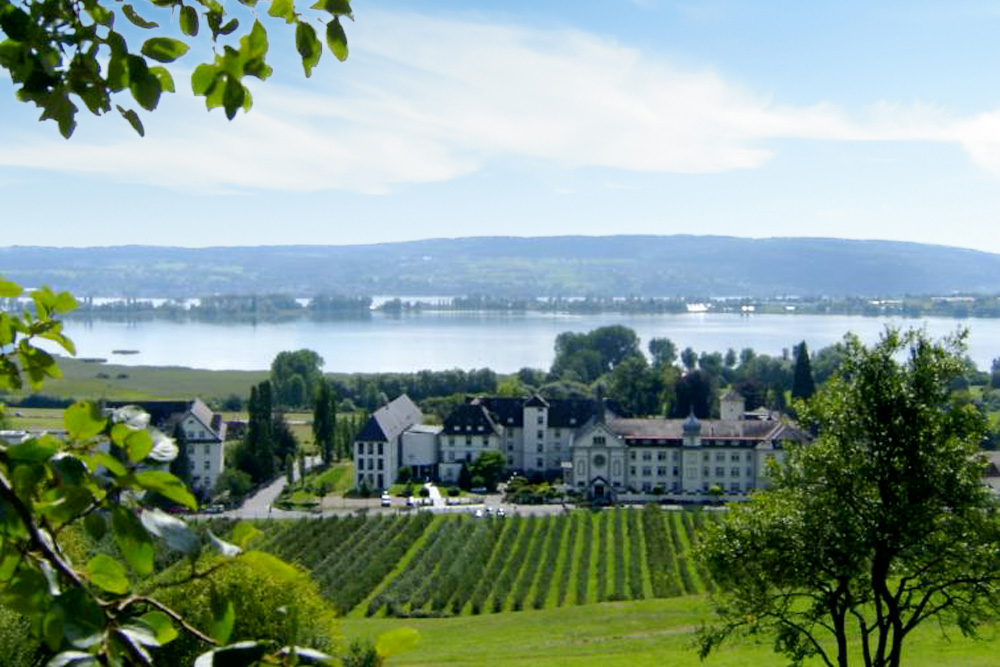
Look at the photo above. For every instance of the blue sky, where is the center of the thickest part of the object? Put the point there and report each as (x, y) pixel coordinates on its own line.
(847, 119)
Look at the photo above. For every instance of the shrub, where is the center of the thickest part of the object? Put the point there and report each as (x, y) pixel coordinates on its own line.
(271, 599)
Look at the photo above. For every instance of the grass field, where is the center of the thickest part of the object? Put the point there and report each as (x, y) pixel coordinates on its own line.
(81, 380)
(646, 633)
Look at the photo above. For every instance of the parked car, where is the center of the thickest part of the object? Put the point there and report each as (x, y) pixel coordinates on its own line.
(479, 514)
(386, 500)
(501, 512)
(215, 509)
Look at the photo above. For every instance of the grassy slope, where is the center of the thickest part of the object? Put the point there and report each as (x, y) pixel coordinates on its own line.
(625, 634)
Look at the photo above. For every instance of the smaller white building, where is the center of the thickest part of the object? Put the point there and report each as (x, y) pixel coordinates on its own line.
(378, 447)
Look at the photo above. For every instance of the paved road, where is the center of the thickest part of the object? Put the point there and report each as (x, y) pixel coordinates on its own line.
(260, 504)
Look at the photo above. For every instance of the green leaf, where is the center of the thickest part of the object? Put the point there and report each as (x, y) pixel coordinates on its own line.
(137, 445)
(176, 534)
(134, 542)
(83, 421)
(240, 654)
(133, 119)
(167, 485)
(35, 450)
(203, 79)
(308, 46)
(243, 533)
(104, 460)
(144, 86)
(164, 49)
(73, 659)
(166, 81)
(95, 525)
(161, 625)
(137, 20)
(254, 45)
(189, 21)
(107, 573)
(396, 641)
(335, 7)
(9, 290)
(230, 26)
(336, 39)
(223, 617)
(232, 96)
(282, 9)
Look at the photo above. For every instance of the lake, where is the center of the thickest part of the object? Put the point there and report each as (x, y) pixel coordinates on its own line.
(501, 341)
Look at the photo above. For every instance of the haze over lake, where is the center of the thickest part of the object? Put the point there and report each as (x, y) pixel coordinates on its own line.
(503, 342)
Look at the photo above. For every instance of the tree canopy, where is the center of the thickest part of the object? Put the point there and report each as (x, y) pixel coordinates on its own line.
(881, 524)
(60, 54)
(296, 377)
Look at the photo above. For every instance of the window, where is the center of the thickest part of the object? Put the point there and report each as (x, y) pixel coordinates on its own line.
(631, 456)
(207, 450)
(451, 457)
(647, 456)
(510, 420)
(191, 449)
(468, 440)
(541, 448)
(510, 448)
(647, 471)
(557, 433)
(661, 456)
(676, 471)
(479, 428)
(541, 435)
(647, 487)
(201, 434)
(379, 481)
(704, 472)
(705, 457)
(380, 452)
(581, 467)
(451, 440)
(510, 460)
(661, 471)
(720, 471)
(734, 471)
(720, 456)
(616, 468)
(541, 419)
(749, 457)
(631, 471)
(468, 457)
(599, 440)
(486, 440)
(735, 457)
(371, 448)
(207, 465)
(572, 420)
(749, 471)
(380, 464)
(675, 456)
(539, 463)
(735, 487)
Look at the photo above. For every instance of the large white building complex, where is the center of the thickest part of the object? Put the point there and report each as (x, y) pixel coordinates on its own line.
(580, 441)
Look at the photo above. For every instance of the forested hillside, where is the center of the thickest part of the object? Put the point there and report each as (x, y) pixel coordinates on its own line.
(506, 266)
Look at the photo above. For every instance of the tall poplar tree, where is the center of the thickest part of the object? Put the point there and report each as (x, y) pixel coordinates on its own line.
(803, 385)
(325, 422)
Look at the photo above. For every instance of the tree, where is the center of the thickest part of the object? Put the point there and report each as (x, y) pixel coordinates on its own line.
(663, 351)
(285, 444)
(689, 358)
(296, 377)
(61, 53)
(490, 467)
(695, 392)
(584, 357)
(325, 421)
(636, 387)
(464, 478)
(803, 385)
(879, 525)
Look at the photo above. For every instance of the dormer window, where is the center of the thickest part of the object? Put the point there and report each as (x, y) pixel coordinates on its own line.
(572, 420)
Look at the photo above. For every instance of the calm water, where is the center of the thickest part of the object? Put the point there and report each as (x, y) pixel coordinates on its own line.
(474, 340)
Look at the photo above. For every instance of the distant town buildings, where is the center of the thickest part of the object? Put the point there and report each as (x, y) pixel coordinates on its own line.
(581, 442)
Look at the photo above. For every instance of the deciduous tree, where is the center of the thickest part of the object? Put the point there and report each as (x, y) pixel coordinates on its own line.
(881, 524)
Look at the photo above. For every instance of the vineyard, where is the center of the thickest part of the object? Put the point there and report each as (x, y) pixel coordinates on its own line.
(423, 565)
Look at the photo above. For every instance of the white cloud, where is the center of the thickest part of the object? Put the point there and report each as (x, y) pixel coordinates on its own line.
(426, 99)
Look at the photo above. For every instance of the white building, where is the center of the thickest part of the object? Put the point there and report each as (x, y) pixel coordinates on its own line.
(204, 432)
(378, 447)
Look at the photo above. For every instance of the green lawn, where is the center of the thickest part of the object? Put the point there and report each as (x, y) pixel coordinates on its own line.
(624, 634)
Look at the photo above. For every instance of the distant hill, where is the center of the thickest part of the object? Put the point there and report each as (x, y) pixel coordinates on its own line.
(508, 266)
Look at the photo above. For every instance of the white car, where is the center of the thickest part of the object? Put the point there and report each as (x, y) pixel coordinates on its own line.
(479, 514)
(386, 500)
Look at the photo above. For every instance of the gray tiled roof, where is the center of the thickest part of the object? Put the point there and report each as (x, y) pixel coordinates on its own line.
(390, 420)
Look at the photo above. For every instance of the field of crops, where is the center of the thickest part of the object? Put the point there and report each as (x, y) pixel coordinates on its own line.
(419, 565)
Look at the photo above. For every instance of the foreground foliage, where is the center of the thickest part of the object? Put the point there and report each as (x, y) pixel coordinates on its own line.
(883, 523)
(57, 52)
(94, 608)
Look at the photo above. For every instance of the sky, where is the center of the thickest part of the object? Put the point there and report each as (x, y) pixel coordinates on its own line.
(476, 118)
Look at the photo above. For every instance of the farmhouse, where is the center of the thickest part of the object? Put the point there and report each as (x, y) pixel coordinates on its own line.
(204, 433)
(592, 449)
